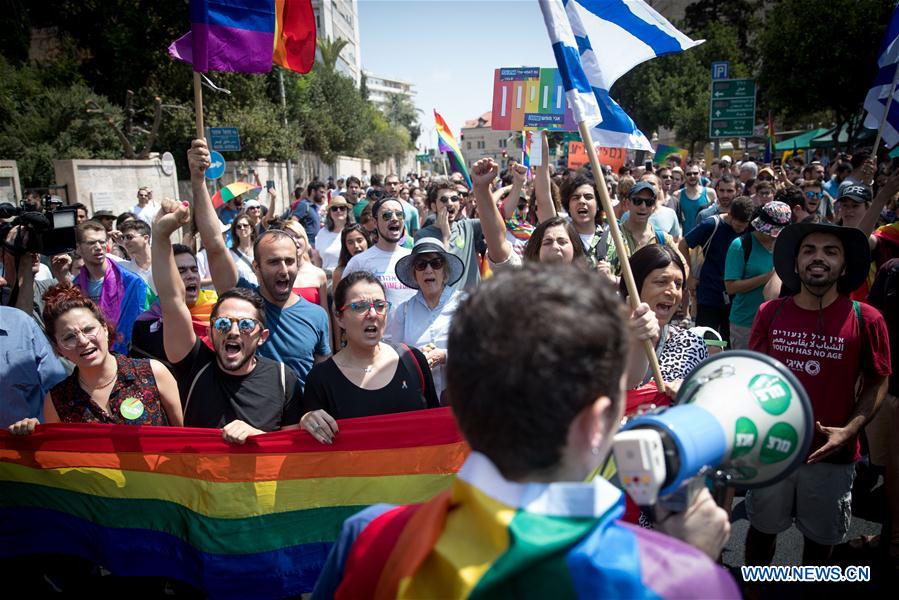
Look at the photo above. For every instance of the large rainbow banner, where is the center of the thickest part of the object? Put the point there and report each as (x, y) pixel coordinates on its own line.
(233, 521)
(529, 98)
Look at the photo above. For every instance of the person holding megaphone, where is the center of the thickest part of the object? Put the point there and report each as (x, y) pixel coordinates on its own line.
(835, 347)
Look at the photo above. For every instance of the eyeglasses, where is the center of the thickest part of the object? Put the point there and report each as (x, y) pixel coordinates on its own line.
(244, 325)
(644, 201)
(435, 263)
(70, 340)
(818, 195)
(387, 215)
(666, 177)
(363, 306)
(448, 199)
(338, 209)
(243, 226)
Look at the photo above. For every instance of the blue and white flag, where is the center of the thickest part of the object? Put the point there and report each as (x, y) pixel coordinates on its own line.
(885, 86)
(624, 33)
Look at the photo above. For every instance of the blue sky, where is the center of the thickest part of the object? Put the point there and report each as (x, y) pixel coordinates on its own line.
(449, 49)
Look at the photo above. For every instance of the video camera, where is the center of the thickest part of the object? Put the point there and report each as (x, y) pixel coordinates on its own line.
(43, 229)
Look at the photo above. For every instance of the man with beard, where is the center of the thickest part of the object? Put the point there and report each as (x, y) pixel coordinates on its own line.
(299, 333)
(831, 344)
(147, 340)
(381, 258)
(726, 191)
(464, 234)
(228, 386)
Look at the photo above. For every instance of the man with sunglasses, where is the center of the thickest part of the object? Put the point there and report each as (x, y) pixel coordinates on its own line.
(146, 208)
(637, 230)
(816, 201)
(693, 198)
(229, 386)
(460, 235)
(300, 330)
(381, 258)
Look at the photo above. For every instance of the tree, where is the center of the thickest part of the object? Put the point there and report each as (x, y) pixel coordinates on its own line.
(399, 111)
(386, 140)
(810, 64)
(329, 51)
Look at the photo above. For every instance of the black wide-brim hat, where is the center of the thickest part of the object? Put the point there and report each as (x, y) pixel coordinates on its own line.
(856, 250)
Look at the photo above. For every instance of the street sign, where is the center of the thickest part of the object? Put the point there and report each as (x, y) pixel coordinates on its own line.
(422, 157)
(732, 108)
(216, 165)
(224, 139)
(721, 69)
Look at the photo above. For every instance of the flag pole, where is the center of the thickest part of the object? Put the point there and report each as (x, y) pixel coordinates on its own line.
(886, 110)
(632, 293)
(198, 106)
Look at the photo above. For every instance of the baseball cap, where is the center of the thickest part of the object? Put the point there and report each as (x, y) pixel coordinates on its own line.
(856, 192)
(643, 185)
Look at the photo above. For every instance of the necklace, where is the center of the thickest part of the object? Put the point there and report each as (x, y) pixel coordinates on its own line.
(101, 385)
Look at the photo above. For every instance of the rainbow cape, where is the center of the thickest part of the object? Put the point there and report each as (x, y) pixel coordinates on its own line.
(447, 143)
(247, 36)
(664, 152)
(251, 521)
(487, 537)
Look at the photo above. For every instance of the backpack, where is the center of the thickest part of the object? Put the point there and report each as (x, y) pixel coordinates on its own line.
(698, 259)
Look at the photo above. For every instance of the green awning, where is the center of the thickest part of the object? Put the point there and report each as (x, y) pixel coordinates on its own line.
(800, 142)
(862, 135)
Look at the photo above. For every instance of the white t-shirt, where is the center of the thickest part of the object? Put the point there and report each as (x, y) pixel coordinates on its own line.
(146, 275)
(147, 213)
(328, 245)
(383, 266)
(244, 266)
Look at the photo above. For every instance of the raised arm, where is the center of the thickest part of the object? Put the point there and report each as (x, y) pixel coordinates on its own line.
(178, 333)
(482, 175)
(221, 263)
(889, 189)
(270, 215)
(519, 173)
(542, 189)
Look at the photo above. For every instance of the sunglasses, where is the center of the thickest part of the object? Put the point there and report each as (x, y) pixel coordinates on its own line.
(363, 306)
(818, 195)
(693, 174)
(435, 263)
(447, 199)
(644, 201)
(338, 209)
(388, 215)
(244, 325)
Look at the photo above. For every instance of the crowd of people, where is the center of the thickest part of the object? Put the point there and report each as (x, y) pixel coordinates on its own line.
(504, 300)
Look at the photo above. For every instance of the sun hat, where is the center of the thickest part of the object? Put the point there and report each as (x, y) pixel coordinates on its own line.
(772, 218)
(405, 272)
(856, 251)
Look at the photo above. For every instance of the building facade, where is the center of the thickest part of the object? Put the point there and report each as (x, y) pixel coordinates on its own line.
(479, 141)
(379, 87)
(340, 19)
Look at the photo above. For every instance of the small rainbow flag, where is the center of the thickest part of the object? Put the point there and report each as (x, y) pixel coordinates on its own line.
(251, 521)
(447, 143)
(526, 139)
(664, 152)
(247, 36)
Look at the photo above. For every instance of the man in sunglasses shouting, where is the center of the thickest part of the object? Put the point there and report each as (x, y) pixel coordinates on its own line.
(229, 387)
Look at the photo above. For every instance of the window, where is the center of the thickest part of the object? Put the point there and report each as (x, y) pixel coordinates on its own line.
(481, 145)
(469, 145)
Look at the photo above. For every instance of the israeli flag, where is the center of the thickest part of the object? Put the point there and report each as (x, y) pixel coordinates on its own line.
(626, 33)
(885, 86)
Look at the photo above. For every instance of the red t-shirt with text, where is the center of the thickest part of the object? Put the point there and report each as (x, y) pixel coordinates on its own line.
(825, 353)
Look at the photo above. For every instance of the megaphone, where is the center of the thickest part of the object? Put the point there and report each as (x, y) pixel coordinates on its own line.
(740, 416)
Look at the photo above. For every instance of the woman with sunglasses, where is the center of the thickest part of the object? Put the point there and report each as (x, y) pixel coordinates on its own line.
(368, 376)
(327, 240)
(105, 387)
(243, 236)
(423, 321)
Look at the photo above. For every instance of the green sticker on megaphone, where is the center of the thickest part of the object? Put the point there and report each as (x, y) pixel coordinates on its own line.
(772, 393)
(779, 444)
(743, 473)
(745, 436)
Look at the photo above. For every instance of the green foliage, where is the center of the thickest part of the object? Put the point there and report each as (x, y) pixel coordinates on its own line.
(400, 111)
(385, 140)
(329, 51)
(812, 62)
(41, 121)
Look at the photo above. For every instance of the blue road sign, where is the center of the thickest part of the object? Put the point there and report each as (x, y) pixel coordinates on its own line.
(224, 139)
(721, 69)
(216, 165)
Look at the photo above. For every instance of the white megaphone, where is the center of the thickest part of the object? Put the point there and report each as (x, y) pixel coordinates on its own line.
(740, 417)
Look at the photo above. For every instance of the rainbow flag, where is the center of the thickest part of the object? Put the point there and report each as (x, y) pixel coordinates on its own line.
(487, 537)
(447, 143)
(664, 152)
(770, 141)
(251, 521)
(247, 36)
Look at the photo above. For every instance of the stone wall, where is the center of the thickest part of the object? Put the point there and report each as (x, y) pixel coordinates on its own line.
(113, 184)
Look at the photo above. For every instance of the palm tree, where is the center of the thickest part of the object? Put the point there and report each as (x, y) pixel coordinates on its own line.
(329, 51)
